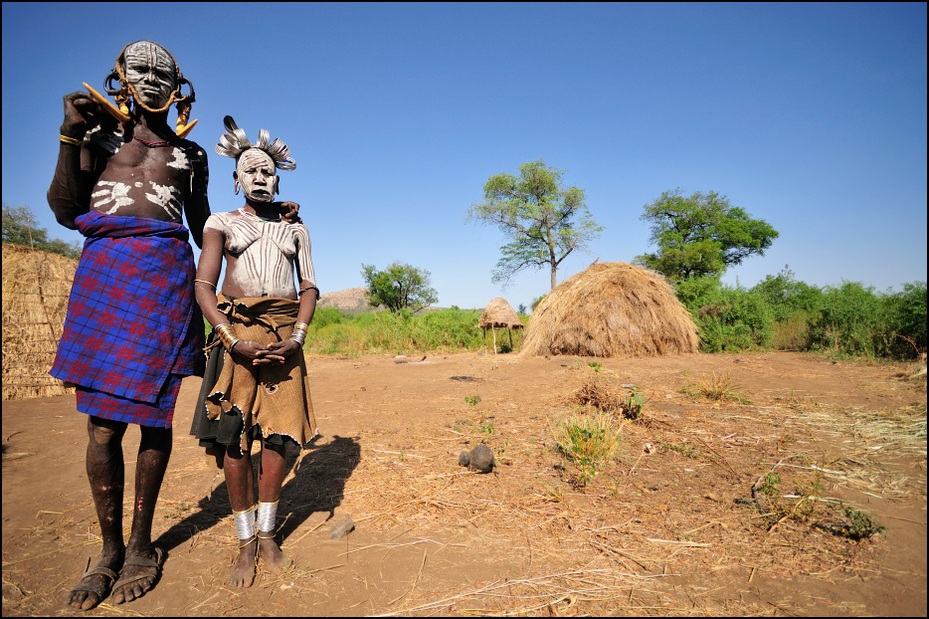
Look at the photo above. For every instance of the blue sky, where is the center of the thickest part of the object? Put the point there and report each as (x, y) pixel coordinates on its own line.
(809, 116)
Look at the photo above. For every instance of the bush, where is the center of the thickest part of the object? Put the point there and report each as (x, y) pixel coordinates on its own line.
(729, 319)
(904, 322)
(848, 322)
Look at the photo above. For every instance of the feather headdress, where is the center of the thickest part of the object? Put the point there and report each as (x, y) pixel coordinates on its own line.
(234, 142)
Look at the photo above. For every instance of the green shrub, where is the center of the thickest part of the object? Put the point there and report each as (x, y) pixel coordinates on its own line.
(848, 322)
(791, 333)
(904, 322)
(729, 319)
(787, 297)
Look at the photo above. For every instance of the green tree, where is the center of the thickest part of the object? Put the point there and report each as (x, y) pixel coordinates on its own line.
(398, 287)
(701, 234)
(544, 222)
(20, 228)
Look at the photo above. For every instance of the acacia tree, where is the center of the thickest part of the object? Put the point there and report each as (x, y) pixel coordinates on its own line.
(544, 222)
(398, 287)
(701, 235)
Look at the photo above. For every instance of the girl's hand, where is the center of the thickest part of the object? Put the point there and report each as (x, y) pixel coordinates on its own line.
(283, 349)
(251, 350)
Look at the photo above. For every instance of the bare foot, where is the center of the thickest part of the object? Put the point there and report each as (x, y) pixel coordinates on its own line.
(271, 555)
(95, 585)
(139, 574)
(243, 570)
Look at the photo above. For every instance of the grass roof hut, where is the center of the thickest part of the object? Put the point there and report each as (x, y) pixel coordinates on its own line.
(36, 286)
(611, 309)
(499, 314)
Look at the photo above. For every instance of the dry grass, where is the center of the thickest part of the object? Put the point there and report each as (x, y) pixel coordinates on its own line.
(611, 310)
(36, 286)
(499, 314)
(606, 395)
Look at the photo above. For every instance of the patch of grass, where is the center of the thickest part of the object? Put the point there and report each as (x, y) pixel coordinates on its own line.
(806, 504)
(718, 388)
(588, 442)
(684, 449)
(859, 525)
(461, 425)
(770, 485)
(472, 399)
(556, 494)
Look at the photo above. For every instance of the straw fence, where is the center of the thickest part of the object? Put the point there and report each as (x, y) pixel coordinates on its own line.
(36, 285)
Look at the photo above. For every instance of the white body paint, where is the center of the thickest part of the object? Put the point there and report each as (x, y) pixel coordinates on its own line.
(108, 192)
(168, 198)
(180, 161)
(267, 253)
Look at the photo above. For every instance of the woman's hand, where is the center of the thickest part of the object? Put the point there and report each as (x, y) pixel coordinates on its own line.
(282, 350)
(272, 354)
(254, 351)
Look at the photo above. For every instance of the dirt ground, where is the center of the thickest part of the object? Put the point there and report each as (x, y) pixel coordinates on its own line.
(744, 505)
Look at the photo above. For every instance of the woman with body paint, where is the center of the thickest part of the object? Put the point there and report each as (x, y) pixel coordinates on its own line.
(255, 386)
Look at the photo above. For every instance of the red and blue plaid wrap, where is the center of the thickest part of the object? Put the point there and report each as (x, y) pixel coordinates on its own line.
(132, 318)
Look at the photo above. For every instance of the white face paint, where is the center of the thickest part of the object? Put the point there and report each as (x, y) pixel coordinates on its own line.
(151, 71)
(257, 175)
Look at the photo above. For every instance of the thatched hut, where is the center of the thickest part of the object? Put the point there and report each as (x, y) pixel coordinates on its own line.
(499, 314)
(611, 309)
(36, 286)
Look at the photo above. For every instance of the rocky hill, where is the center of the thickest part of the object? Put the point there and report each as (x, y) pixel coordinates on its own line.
(349, 300)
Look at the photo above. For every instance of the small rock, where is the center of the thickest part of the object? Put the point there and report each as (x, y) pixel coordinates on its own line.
(481, 459)
(341, 528)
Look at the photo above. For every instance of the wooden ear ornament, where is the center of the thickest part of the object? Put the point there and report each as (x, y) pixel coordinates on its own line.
(122, 115)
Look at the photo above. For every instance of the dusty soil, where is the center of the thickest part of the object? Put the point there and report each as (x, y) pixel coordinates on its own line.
(730, 506)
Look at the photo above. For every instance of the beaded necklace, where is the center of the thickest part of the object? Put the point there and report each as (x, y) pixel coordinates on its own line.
(158, 144)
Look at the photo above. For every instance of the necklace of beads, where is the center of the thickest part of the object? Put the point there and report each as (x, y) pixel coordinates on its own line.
(158, 144)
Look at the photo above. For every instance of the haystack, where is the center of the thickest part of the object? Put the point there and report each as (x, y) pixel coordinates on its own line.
(611, 309)
(36, 286)
(499, 314)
